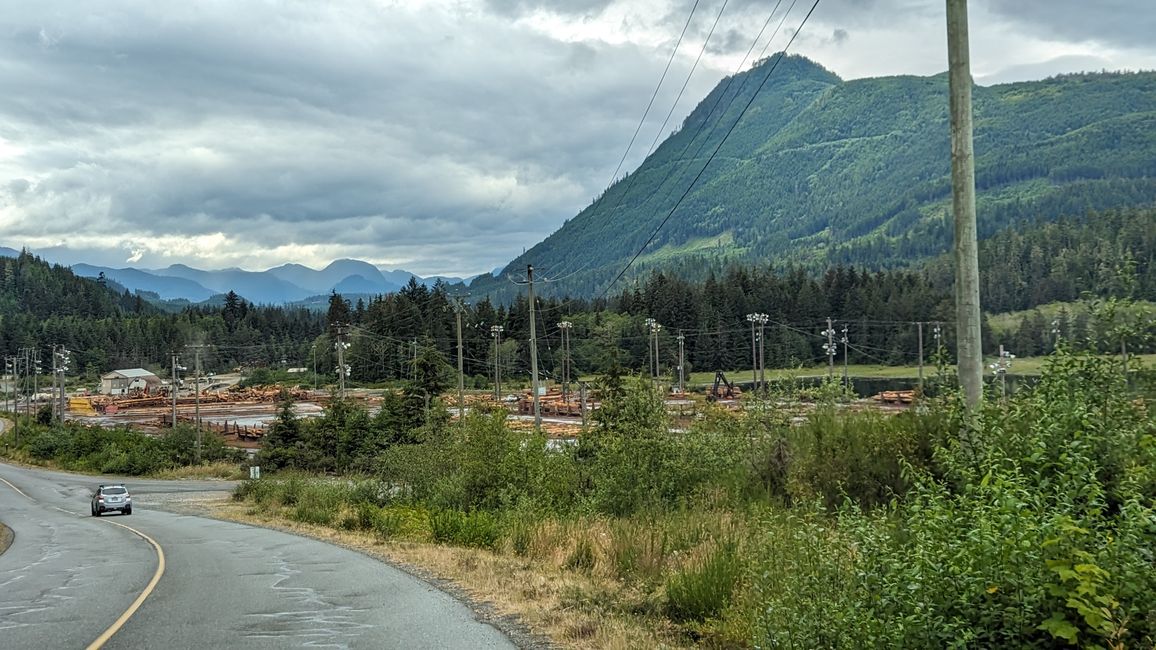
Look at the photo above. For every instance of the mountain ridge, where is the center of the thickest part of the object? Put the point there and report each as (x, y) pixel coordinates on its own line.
(822, 172)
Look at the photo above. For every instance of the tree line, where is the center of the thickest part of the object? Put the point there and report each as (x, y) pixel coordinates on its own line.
(395, 337)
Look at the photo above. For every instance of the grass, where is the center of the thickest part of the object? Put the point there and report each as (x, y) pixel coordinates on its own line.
(1021, 366)
(218, 470)
(1007, 323)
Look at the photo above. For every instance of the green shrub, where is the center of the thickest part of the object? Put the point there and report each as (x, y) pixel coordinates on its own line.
(318, 504)
(387, 524)
(703, 591)
(1039, 532)
(45, 445)
(478, 528)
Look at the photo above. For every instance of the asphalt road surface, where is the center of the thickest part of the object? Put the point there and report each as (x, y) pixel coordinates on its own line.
(68, 577)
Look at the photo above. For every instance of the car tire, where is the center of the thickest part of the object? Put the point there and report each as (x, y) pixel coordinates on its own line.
(127, 511)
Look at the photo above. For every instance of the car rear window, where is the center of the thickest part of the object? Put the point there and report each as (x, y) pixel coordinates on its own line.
(115, 490)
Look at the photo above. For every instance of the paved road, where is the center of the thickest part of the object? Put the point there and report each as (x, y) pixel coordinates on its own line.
(69, 576)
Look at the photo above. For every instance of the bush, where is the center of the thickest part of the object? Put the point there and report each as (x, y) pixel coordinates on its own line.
(46, 445)
(1041, 534)
(477, 529)
(703, 591)
(387, 524)
(318, 504)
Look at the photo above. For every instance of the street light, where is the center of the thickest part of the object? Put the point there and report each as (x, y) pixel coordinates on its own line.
(758, 368)
(654, 328)
(1000, 368)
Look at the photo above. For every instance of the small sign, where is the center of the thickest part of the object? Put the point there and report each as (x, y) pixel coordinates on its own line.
(255, 472)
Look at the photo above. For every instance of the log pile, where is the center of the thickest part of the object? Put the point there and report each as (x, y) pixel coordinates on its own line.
(895, 396)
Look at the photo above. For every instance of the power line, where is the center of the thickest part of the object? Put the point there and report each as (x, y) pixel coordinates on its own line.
(714, 153)
(649, 105)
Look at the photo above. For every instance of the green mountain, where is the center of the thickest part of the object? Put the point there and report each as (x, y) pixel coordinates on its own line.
(821, 171)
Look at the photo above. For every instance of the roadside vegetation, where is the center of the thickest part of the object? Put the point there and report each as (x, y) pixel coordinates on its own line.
(1030, 524)
(98, 450)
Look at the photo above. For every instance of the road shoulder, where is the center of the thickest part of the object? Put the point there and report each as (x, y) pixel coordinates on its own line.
(511, 626)
(6, 537)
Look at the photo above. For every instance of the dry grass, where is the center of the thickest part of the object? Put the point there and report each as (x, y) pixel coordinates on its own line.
(218, 470)
(582, 607)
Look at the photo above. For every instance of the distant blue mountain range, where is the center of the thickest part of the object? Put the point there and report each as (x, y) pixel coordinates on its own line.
(284, 284)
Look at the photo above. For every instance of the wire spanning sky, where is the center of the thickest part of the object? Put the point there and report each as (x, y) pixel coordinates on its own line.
(439, 136)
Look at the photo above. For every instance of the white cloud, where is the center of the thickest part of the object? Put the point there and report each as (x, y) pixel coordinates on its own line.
(440, 135)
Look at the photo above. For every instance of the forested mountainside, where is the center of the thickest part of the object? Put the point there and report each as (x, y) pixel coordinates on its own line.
(43, 305)
(1111, 254)
(822, 171)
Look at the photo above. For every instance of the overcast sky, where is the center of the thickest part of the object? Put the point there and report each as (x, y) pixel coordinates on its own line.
(438, 136)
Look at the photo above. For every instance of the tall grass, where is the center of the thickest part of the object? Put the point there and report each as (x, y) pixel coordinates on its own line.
(847, 530)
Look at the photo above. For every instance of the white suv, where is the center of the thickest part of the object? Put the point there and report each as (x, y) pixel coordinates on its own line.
(111, 497)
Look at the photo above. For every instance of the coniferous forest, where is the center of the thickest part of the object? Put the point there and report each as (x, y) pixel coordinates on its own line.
(1107, 255)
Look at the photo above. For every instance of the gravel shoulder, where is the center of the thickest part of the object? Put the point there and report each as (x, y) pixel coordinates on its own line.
(6, 537)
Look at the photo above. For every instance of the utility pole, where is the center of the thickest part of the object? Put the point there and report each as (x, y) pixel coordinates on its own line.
(564, 328)
(681, 364)
(846, 379)
(197, 396)
(59, 366)
(36, 379)
(759, 374)
(342, 369)
(16, 401)
(920, 327)
(176, 386)
(461, 371)
(1001, 366)
(754, 355)
(829, 346)
(496, 334)
(533, 349)
(762, 352)
(967, 306)
(653, 345)
(582, 400)
(8, 377)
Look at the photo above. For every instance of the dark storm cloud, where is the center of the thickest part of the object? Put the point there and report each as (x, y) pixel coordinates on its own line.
(1127, 23)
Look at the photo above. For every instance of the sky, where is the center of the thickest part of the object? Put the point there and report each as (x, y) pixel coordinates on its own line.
(437, 136)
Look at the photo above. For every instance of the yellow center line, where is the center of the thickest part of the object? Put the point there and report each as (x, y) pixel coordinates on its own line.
(118, 623)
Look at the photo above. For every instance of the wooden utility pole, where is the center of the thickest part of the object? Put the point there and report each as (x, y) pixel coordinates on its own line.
(197, 399)
(968, 342)
(920, 358)
(496, 333)
(342, 369)
(564, 328)
(461, 371)
(681, 364)
(533, 349)
(829, 346)
(176, 384)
